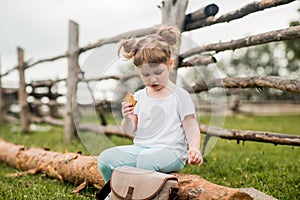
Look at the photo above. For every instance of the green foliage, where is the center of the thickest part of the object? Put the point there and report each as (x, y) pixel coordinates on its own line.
(272, 169)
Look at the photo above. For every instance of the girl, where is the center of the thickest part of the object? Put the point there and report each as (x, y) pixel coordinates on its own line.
(163, 119)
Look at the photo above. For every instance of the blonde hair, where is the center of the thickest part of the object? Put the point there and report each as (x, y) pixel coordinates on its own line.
(152, 49)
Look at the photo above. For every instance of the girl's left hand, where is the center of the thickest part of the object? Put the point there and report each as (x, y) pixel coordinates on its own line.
(195, 157)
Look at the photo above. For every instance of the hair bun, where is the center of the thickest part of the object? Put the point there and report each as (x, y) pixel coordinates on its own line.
(129, 48)
(170, 34)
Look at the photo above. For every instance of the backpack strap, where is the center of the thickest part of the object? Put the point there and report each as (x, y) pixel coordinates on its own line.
(104, 191)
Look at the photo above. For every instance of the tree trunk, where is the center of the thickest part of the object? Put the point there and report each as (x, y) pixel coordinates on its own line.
(83, 170)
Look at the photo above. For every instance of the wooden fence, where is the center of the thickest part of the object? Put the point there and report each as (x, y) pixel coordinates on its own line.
(173, 13)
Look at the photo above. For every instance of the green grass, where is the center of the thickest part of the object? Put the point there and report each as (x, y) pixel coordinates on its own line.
(274, 170)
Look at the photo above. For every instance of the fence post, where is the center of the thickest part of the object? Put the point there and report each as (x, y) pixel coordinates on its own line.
(2, 113)
(73, 70)
(24, 110)
(173, 13)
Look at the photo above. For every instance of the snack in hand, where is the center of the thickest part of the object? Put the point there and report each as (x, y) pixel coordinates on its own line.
(129, 99)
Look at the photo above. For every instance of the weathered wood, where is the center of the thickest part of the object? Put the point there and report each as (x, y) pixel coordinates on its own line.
(289, 85)
(245, 135)
(9, 71)
(271, 36)
(202, 13)
(173, 14)
(2, 111)
(29, 65)
(24, 109)
(249, 135)
(48, 120)
(83, 171)
(117, 38)
(73, 71)
(237, 14)
(42, 83)
(199, 60)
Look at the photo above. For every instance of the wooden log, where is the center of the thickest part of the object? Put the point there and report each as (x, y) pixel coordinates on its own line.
(48, 120)
(47, 60)
(24, 109)
(83, 171)
(117, 38)
(289, 85)
(250, 8)
(73, 70)
(249, 135)
(271, 36)
(2, 111)
(244, 135)
(199, 60)
(202, 13)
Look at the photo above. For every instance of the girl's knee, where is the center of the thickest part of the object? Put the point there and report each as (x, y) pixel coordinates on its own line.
(104, 167)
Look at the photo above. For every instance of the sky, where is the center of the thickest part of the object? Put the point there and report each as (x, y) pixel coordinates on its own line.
(40, 27)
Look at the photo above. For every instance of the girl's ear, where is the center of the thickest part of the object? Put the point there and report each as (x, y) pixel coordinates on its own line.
(171, 64)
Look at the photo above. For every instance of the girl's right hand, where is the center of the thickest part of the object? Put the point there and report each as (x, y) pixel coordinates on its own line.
(127, 110)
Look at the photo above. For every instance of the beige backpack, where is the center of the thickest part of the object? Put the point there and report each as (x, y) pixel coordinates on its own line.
(130, 183)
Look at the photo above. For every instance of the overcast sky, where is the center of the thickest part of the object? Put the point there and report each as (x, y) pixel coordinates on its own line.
(40, 27)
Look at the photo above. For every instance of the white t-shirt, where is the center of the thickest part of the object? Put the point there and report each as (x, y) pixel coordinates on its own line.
(159, 120)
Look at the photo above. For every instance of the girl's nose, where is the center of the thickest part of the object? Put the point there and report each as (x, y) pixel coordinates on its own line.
(152, 79)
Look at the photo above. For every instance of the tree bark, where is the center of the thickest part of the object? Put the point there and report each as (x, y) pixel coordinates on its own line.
(24, 109)
(244, 135)
(73, 70)
(271, 36)
(237, 14)
(173, 14)
(247, 135)
(83, 171)
(275, 82)
(2, 111)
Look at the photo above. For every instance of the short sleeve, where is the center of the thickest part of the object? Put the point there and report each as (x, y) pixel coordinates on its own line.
(187, 106)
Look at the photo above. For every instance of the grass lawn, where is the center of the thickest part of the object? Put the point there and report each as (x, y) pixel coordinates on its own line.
(274, 170)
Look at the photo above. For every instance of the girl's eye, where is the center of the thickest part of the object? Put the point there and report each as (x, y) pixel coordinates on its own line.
(146, 75)
(158, 72)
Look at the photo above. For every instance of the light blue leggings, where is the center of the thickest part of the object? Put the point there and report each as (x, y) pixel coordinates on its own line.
(154, 159)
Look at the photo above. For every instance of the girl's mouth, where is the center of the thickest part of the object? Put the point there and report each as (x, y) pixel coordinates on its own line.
(155, 86)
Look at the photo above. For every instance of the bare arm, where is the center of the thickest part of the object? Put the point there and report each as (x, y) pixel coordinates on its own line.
(191, 129)
(129, 121)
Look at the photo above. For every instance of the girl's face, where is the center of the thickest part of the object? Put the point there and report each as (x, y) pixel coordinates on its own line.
(155, 77)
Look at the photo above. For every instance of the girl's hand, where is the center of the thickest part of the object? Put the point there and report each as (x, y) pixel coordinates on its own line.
(127, 110)
(195, 157)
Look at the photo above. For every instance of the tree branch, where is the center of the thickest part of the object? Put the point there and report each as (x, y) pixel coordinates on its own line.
(275, 82)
